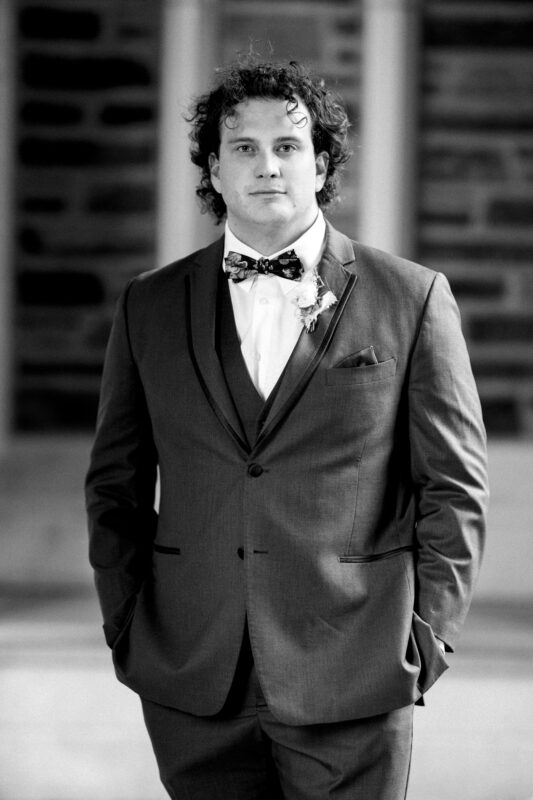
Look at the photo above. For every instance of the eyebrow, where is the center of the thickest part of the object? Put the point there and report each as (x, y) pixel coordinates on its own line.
(251, 140)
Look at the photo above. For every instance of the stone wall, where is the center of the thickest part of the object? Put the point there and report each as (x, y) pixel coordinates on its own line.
(476, 162)
(86, 115)
(87, 126)
(476, 171)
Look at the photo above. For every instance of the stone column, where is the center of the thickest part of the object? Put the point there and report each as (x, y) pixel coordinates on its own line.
(389, 125)
(7, 114)
(189, 54)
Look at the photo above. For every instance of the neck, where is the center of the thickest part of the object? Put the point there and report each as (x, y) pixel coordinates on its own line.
(267, 240)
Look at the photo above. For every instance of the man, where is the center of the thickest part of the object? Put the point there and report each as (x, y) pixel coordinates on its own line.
(321, 455)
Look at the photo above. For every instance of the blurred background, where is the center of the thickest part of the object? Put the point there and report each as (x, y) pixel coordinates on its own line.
(95, 186)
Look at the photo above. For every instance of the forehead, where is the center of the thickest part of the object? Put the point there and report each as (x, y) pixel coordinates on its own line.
(264, 116)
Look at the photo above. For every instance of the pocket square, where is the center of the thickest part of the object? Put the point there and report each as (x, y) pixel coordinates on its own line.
(363, 358)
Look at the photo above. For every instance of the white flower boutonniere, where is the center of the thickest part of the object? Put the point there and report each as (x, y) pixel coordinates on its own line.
(313, 298)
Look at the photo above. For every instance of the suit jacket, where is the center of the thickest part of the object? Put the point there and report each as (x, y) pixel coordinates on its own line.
(359, 508)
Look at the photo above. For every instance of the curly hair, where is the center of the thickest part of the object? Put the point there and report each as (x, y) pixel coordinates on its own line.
(267, 80)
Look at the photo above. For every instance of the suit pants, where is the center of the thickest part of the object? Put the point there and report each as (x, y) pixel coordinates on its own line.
(244, 753)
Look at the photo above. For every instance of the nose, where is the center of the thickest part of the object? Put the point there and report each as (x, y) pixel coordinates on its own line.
(267, 165)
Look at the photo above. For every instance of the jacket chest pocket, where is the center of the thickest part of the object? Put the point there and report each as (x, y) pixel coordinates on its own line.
(356, 376)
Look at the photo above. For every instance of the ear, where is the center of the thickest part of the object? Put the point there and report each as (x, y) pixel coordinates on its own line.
(321, 162)
(214, 169)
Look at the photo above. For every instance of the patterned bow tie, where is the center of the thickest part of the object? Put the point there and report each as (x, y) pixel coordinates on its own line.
(287, 265)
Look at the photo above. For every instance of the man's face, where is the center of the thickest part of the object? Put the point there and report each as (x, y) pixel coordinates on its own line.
(268, 173)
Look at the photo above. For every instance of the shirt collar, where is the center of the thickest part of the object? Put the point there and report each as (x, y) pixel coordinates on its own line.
(308, 247)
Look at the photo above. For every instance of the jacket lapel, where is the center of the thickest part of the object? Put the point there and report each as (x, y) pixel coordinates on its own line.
(203, 282)
(311, 347)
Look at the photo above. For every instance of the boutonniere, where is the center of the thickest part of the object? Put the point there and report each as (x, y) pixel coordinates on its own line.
(313, 298)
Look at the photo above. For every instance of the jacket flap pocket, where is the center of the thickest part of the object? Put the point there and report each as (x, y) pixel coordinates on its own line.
(161, 548)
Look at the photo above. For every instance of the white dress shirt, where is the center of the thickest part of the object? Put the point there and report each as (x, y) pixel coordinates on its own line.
(263, 305)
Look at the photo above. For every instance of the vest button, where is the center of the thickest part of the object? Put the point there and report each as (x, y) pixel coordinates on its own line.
(240, 553)
(255, 470)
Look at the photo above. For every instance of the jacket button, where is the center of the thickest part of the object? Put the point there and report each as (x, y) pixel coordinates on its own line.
(255, 470)
(240, 553)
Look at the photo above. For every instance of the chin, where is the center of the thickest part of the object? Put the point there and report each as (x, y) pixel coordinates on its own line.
(272, 216)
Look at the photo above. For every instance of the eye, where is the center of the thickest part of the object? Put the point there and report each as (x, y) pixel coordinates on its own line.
(244, 148)
(287, 147)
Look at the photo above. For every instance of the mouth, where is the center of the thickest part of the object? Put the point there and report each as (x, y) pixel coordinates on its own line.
(267, 192)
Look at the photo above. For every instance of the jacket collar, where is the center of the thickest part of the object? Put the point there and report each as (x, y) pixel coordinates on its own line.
(203, 285)
(310, 347)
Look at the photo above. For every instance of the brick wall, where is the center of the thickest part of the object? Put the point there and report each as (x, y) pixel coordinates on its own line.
(476, 208)
(86, 115)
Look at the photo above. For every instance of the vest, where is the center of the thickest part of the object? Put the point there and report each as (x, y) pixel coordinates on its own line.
(248, 403)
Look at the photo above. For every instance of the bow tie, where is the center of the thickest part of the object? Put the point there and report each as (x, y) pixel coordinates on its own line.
(286, 265)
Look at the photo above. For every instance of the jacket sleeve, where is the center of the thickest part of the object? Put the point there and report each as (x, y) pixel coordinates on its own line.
(448, 466)
(120, 484)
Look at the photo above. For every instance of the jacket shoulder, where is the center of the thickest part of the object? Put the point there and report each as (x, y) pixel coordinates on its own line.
(160, 280)
(392, 271)
(393, 288)
(376, 268)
